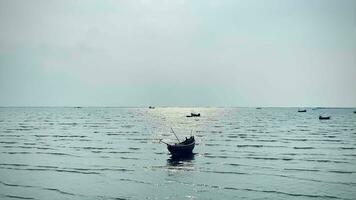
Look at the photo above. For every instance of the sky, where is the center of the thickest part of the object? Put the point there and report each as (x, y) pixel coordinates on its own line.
(178, 53)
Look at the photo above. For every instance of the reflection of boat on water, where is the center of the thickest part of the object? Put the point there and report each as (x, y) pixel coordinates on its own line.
(181, 160)
(194, 115)
(303, 110)
(323, 118)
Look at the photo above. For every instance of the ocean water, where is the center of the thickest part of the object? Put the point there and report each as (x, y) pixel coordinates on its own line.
(114, 153)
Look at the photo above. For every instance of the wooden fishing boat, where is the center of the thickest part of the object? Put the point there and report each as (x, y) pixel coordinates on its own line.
(194, 115)
(323, 118)
(183, 148)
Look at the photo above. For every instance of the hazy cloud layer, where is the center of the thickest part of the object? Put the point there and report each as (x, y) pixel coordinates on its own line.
(178, 53)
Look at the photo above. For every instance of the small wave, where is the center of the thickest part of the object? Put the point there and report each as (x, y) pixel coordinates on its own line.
(266, 140)
(296, 139)
(138, 139)
(285, 193)
(44, 188)
(289, 154)
(8, 135)
(304, 130)
(53, 170)
(325, 161)
(219, 156)
(17, 152)
(327, 140)
(61, 136)
(18, 197)
(109, 134)
(216, 131)
(303, 170)
(68, 124)
(303, 147)
(341, 172)
(128, 158)
(350, 148)
(112, 198)
(60, 191)
(224, 172)
(29, 143)
(19, 129)
(16, 165)
(252, 130)
(233, 164)
(263, 158)
(47, 166)
(2, 142)
(135, 181)
(353, 155)
(92, 148)
(250, 145)
(92, 170)
(208, 144)
(120, 152)
(56, 154)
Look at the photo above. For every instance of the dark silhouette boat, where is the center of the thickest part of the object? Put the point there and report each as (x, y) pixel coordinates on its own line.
(323, 118)
(182, 149)
(194, 115)
(151, 107)
(355, 112)
(303, 110)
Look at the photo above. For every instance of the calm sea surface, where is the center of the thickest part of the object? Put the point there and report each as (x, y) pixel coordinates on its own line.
(114, 153)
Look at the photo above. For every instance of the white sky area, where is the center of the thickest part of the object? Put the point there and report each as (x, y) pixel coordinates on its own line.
(178, 53)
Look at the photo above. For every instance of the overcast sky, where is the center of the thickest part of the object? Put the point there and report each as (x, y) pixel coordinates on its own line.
(178, 53)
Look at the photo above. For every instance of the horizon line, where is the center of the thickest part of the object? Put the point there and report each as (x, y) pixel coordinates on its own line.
(317, 107)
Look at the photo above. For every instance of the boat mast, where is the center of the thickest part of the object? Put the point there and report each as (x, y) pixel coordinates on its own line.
(175, 134)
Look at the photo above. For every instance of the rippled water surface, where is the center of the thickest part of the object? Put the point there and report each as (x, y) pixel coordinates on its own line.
(114, 153)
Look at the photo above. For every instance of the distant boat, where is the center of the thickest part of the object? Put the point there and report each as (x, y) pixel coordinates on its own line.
(151, 107)
(323, 118)
(258, 108)
(193, 115)
(303, 110)
(183, 148)
(78, 107)
(355, 112)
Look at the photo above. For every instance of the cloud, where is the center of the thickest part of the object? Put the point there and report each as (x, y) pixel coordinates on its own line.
(245, 51)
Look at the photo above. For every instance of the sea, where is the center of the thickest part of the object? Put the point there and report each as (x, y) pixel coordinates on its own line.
(115, 153)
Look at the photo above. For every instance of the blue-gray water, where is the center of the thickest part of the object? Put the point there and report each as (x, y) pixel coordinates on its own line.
(114, 153)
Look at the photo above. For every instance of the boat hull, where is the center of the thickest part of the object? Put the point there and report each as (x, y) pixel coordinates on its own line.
(181, 149)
